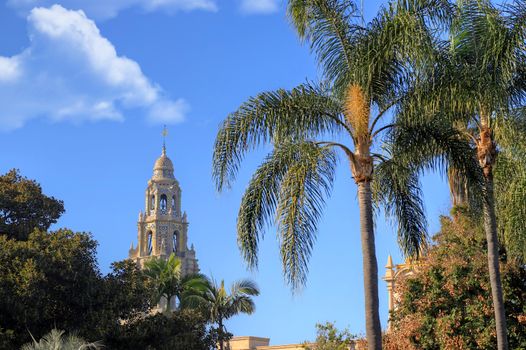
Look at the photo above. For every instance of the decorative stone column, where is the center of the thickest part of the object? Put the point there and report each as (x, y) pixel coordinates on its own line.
(389, 278)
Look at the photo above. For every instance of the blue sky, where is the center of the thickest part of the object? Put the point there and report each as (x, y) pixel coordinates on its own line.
(83, 98)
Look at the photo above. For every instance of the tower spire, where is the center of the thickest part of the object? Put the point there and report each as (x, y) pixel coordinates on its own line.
(164, 133)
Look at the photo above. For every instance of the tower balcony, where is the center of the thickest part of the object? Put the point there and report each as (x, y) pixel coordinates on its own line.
(171, 213)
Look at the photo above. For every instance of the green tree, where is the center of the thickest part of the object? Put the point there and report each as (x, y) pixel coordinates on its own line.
(53, 279)
(221, 305)
(124, 294)
(55, 340)
(330, 338)
(169, 282)
(475, 85)
(446, 303)
(50, 279)
(184, 329)
(23, 206)
(367, 73)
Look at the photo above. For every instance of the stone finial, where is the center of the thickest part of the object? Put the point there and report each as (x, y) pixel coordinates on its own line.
(389, 274)
(389, 262)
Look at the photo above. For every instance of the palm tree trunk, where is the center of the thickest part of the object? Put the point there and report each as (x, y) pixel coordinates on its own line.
(487, 154)
(490, 226)
(370, 268)
(220, 335)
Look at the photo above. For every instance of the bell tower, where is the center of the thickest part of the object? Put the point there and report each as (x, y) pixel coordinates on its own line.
(163, 227)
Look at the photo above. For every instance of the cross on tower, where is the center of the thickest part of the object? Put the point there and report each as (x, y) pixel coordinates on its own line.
(164, 133)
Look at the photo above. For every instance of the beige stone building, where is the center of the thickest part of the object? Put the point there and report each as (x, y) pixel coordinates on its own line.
(258, 343)
(162, 229)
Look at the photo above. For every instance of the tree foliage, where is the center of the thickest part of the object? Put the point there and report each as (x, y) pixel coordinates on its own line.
(446, 302)
(180, 330)
(328, 337)
(52, 280)
(23, 206)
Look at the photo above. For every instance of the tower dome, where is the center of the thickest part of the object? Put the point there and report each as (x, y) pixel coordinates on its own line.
(163, 167)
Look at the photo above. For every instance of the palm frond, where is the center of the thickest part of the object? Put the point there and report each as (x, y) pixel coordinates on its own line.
(56, 339)
(263, 193)
(396, 186)
(330, 28)
(436, 145)
(487, 46)
(510, 183)
(302, 194)
(245, 286)
(242, 304)
(303, 112)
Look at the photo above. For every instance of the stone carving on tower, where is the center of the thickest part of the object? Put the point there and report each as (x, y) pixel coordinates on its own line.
(162, 227)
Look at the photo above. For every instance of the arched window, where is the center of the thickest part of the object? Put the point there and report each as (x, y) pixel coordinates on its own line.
(173, 202)
(174, 241)
(150, 242)
(163, 202)
(152, 203)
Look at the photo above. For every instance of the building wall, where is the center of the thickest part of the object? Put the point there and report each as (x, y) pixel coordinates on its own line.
(258, 343)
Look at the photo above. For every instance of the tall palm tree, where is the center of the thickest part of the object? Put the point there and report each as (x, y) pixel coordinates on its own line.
(55, 340)
(476, 85)
(169, 281)
(368, 70)
(221, 305)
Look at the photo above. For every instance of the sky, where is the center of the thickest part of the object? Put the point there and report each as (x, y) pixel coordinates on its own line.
(85, 88)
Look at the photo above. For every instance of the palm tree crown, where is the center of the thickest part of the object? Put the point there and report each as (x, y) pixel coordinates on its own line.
(220, 305)
(55, 340)
(169, 281)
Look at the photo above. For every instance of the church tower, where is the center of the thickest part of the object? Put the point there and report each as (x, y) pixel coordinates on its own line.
(162, 227)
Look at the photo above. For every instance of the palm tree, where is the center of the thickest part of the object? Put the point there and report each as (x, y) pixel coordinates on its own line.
(169, 281)
(476, 85)
(220, 305)
(55, 340)
(368, 72)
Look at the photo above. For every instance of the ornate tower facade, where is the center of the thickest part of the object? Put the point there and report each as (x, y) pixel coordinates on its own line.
(162, 227)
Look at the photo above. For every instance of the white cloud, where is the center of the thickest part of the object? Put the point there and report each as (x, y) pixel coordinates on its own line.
(168, 112)
(102, 9)
(71, 72)
(259, 6)
(9, 69)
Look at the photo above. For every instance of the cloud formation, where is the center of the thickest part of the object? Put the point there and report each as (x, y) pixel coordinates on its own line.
(259, 6)
(71, 72)
(103, 9)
